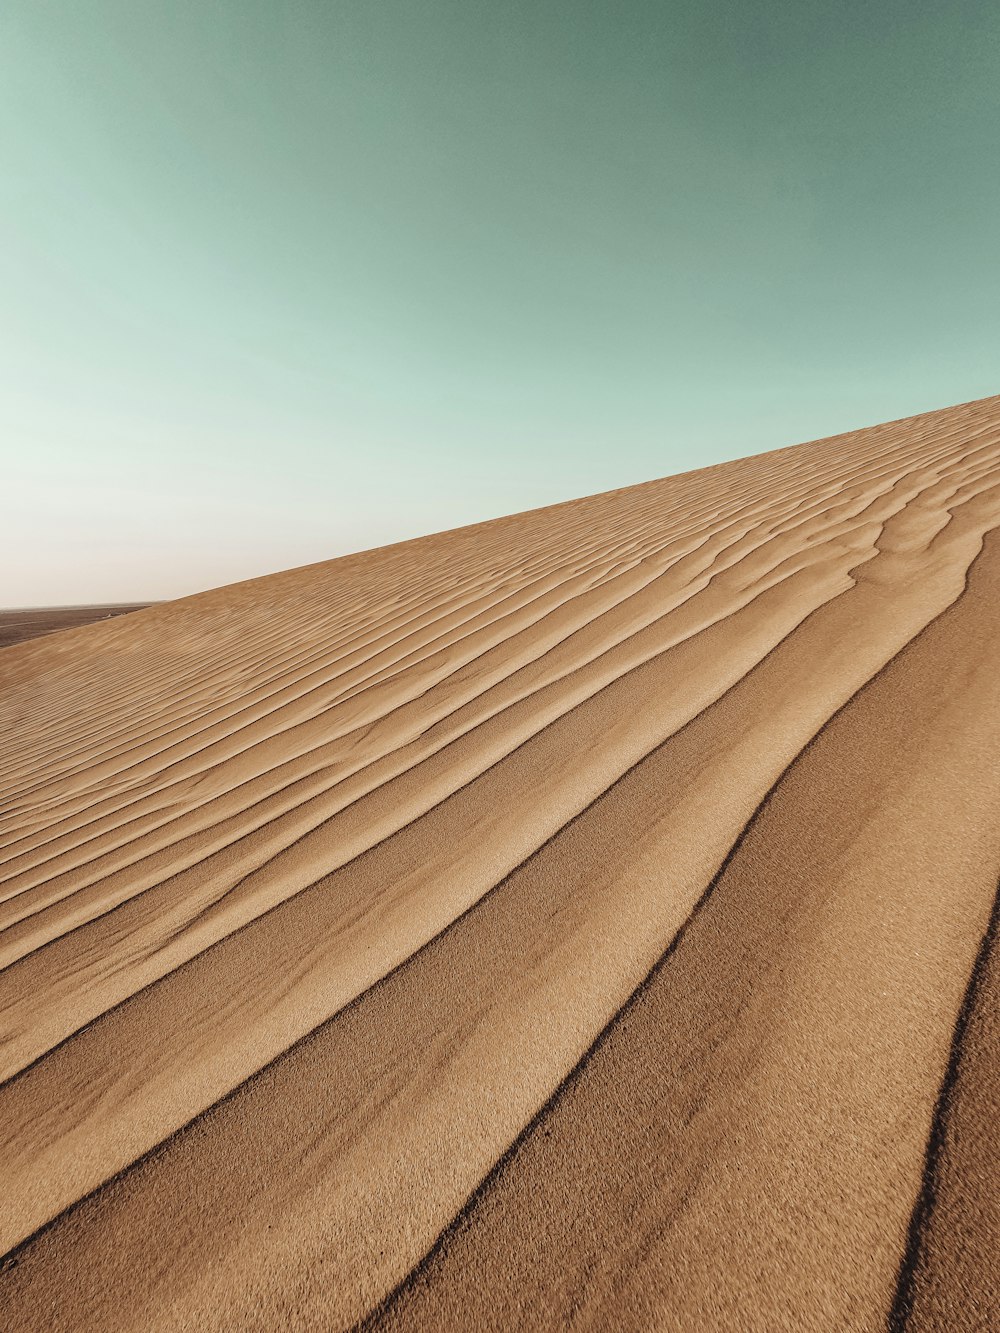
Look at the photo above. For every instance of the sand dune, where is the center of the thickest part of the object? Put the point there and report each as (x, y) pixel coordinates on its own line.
(19, 626)
(584, 919)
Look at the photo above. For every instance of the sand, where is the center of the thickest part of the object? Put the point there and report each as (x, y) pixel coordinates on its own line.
(585, 919)
(31, 623)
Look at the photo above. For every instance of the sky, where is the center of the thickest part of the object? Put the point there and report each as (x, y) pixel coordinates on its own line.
(284, 280)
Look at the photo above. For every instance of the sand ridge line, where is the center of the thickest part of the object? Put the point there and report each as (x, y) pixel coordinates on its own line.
(596, 497)
(237, 784)
(292, 996)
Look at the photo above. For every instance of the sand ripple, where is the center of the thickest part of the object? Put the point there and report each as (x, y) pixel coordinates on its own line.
(582, 919)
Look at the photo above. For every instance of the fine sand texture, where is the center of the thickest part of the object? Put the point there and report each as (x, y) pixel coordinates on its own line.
(31, 623)
(586, 919)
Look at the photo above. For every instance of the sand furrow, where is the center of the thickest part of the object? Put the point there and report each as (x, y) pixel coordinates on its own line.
(261, 1024)
(263, 644)
(948, 1276)
(483, 689)
(777, 1075)
(54, 886)
(580, 919)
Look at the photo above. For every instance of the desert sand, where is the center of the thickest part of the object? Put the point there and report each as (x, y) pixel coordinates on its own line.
(31, 623)
(584, 919)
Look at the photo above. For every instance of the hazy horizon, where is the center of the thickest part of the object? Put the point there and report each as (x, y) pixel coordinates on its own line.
(280, 283)
(34, 606)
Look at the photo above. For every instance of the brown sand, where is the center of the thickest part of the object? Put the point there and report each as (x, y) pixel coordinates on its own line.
(585, 919)
(31, 623)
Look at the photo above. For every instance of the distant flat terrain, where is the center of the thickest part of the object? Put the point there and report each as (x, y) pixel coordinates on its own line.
(19, 626)
(586, 919)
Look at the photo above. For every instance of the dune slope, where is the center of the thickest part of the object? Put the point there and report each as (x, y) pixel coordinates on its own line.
(584, 919)
(30, 623)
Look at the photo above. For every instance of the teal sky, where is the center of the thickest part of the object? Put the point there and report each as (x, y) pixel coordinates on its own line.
(283, 280)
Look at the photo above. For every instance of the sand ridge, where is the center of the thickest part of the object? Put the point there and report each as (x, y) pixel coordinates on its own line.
(580, 919)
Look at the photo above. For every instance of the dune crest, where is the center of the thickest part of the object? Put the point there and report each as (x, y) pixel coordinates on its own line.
(586, 918)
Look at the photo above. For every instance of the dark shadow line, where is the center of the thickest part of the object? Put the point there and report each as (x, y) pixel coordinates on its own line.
(12, 1256)
(8, 1080)
(923, 1209)
(370, 1321)
(374, 1319)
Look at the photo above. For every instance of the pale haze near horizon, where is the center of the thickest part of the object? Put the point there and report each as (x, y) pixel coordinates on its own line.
(279, 282)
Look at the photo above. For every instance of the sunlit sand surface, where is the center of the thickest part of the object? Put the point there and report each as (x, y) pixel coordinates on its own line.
(584, 919)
